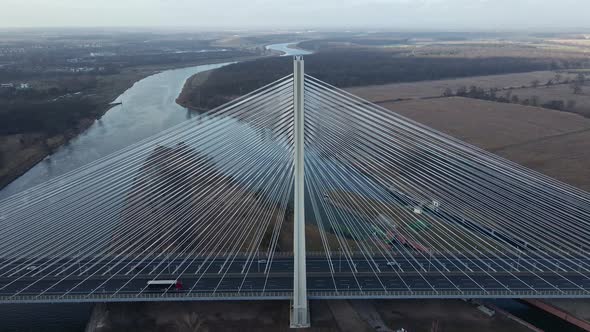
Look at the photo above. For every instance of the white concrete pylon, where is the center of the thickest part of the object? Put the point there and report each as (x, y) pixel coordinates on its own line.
(300, 309)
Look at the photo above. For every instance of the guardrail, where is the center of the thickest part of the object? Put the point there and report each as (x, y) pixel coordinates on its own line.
(450, 294)
(285, 295)
(134, 297)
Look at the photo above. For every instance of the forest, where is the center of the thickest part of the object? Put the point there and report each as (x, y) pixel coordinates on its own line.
(48, 118)
(358, 67)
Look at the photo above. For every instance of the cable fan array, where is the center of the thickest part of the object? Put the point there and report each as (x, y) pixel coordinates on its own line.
(201, 201)
(393, 208)
(406, 208)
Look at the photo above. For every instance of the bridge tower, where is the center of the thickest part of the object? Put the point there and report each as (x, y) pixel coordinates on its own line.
(299, 306)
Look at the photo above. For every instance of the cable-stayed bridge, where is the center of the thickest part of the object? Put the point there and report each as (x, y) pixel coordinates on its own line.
(297, 190)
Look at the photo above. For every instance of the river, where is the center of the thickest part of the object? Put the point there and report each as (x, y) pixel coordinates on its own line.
(284, 47)
(147, 108)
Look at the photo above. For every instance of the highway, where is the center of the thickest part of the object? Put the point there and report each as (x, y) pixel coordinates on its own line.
(199, 275)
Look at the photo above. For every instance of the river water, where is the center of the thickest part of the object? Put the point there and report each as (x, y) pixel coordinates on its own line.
(284, 47)
(148, 108)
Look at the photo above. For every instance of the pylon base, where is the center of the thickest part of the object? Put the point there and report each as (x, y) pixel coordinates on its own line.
(300, 317)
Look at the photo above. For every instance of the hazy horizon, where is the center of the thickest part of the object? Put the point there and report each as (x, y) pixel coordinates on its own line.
(480, 15)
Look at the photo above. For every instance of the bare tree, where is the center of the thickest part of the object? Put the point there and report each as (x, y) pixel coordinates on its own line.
(535, 83)
(448, 92)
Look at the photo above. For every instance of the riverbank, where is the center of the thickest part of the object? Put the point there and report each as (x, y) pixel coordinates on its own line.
(199, 96)
(20, 152)
(190, 96)
(286, 49)
(192, 87)
(23, 151)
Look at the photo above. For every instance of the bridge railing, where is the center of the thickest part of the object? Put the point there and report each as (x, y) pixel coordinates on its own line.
(99, 297)
(131, 297)
(449, 294)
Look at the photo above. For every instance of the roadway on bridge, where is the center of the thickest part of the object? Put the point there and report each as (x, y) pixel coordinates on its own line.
(207, 276)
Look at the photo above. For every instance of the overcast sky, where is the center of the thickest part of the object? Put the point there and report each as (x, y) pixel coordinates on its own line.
(393, 14)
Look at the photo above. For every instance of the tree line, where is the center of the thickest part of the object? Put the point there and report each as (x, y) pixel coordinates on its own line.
(347, 68)
(496, 95)
(46, 117)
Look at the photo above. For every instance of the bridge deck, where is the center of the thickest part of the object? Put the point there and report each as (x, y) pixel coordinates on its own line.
(222, 278)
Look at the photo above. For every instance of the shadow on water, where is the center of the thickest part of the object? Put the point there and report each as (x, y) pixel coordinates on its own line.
(541, 319)
(44, 317)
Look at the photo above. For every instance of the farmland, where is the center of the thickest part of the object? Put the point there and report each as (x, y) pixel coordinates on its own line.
(552, 142)
(427, 89)
(546, 94)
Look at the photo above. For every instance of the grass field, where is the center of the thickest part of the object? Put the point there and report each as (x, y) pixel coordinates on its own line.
(525, 48)
(426, 89)
(564, 157)
(552, 142)
(489, 125)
